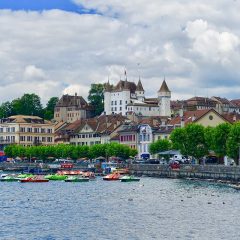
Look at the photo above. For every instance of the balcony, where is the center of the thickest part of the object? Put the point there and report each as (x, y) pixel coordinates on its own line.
(5, 141)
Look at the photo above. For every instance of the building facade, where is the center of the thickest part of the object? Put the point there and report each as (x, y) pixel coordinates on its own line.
(26, 131)
(127, 97)
(72, 108)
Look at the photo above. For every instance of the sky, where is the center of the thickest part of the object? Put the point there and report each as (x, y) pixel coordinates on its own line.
(62, 46)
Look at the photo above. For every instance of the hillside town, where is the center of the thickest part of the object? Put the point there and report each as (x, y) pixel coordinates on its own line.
(128, 118)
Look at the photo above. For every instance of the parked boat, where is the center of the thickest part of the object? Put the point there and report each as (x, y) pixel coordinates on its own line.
(34, 179)
(112, 177)
(236, 187)
(55, 177)
(76, 179)
(25, 175)
(129, 179)
(9, 178)
(89, 175)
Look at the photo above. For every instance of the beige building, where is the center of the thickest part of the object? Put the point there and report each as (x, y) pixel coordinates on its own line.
(207, 117)
(71, 108)
(26, 131)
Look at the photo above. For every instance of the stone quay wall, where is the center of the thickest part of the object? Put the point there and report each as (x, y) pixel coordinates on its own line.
(215, 172)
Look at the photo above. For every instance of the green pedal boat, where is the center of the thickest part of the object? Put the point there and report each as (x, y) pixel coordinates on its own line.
(9, 179)
(76, 179)
(129, 179)
(55, 177)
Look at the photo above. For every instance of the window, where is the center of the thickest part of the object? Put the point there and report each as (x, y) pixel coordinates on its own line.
(12, 139)
(7, 129)
(49, 130)
(43, 139)
(22, 129)
(120, 102)
(29, 129)
(1, 129)
(120, 108)
(43, 130)
(115, 102)
(36, 130)
(13, 129)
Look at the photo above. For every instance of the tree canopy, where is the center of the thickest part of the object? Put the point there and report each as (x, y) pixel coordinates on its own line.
(28, 104)
(233, 142)
(96, 98)
(160, 146)
(71, 151)
(190, 140)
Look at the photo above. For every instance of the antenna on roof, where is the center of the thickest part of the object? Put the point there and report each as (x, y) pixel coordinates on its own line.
(125, 73)
(138, 64)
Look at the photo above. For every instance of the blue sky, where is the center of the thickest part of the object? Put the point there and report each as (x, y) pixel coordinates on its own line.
(39, 5)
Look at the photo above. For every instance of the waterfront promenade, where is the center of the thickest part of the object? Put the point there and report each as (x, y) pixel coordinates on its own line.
(215, 172)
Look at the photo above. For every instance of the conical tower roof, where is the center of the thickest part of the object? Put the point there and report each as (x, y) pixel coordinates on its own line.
(139, 86)
(164, 87)
(107, 86)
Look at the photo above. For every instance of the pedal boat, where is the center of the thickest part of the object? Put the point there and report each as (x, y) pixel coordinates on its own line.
(76, 179)
(129, 179)
(112, 177)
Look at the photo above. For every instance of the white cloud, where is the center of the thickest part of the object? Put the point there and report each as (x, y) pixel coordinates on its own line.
(195, 44)
(32, 72)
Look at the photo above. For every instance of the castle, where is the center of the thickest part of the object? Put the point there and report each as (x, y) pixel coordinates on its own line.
(128, 98)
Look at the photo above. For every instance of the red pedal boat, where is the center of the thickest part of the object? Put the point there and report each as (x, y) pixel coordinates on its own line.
(112, 177)
(34, 179)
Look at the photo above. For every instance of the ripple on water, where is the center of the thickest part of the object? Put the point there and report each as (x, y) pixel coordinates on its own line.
(158, 209)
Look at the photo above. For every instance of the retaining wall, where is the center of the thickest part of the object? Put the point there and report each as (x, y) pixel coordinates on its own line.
(216, 172)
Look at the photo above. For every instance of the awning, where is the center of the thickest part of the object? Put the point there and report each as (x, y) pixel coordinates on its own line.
(170, 152)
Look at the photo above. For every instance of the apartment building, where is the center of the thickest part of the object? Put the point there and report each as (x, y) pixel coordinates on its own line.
(26, 131)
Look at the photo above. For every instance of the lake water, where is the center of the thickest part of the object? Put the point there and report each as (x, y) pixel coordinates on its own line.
(149, 209)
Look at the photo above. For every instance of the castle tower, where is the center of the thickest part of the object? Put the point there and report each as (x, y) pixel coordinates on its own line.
(164, 98)
(107, 99)
(140, 91)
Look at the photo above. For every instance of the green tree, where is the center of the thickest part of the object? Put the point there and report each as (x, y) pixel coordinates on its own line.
(49, 110)
(209, 137)
(159, 146)
(28, 104)
(233, 142)
(6, 110)
(96, 98)
(178, 138)
(196, 144)
(220, 137)
(190, 140)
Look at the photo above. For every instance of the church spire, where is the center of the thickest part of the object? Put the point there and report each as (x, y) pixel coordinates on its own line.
(139, 85)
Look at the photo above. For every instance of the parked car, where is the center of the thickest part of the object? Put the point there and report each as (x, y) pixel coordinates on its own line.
(152, 161)
(139, 161)
(211, 160)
